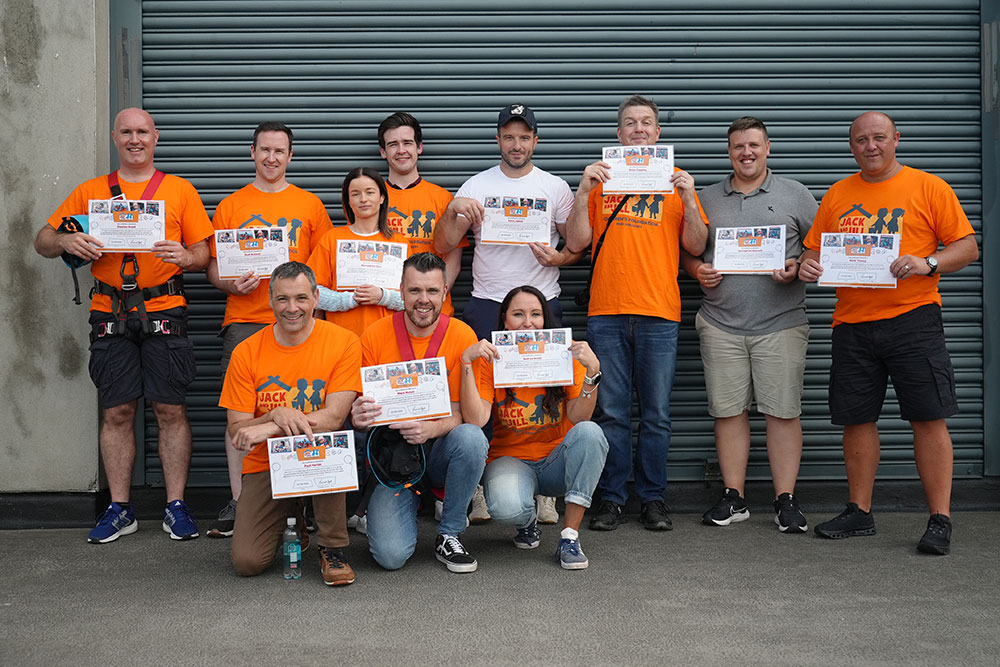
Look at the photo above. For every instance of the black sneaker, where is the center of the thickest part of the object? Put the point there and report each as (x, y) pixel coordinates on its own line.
(787, 515)
(937, 537)
(852, 522)
(654, 516)
(449, 550)
(731, 508)
(608, 516)
(223, 526)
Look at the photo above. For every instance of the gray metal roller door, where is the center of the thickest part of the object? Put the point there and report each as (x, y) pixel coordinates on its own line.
(333, 70)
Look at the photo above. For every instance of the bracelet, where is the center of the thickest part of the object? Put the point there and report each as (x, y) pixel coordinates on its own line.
(587, 394)
(466, 363)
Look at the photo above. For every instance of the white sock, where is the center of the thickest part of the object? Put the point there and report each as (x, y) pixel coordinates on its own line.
(569, 534)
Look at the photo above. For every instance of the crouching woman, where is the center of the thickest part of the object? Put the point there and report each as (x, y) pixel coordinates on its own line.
(543, 442)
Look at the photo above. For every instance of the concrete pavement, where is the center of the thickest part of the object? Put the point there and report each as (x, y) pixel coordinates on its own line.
(741, 595)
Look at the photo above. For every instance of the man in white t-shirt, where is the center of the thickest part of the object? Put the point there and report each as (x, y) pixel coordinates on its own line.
(515, 188)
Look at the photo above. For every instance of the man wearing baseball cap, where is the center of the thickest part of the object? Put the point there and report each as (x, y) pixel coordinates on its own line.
(513, 187)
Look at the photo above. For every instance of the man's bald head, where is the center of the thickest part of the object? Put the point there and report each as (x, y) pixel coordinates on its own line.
(135, 136)
(133, 116)
(873, 115)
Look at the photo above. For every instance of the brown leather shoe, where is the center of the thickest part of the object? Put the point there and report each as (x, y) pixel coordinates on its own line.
(335, 568)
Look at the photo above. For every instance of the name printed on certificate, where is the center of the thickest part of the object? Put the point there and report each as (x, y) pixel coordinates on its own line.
(127, 226)
(259, 249)
(516, 220)
(533, 358)
(858, 260)
(639, 168)
(304, 466)
(378, 263)
(749, 249)
(408, 390)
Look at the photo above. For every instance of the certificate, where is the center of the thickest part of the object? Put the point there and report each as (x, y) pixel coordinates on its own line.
(301, 466)
(408, 390)
(639, 168)
(378, 263)
(127, 226)
(533, 358)
(259, 250)
(858, 260)
(516, 221)
(749, 249)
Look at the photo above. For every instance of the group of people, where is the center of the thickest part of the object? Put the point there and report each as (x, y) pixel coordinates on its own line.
(296, 329)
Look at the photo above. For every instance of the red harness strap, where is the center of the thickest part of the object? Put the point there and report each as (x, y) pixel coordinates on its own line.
(403, 338)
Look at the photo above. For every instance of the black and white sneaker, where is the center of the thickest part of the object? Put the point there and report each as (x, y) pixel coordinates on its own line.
(449, 550)
(731, 508)
(787, 515)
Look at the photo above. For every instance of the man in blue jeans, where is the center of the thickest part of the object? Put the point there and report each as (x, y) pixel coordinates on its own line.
(635, 308)
(458, 453)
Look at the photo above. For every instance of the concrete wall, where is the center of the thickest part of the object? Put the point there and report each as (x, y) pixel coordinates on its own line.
(53, 134)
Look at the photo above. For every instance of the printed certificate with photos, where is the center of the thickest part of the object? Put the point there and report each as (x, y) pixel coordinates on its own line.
(378, 263)
(749, 249)
(858, 260)
(516, 221)
(259, 249)
(127, 225)
(408, 390)
(301, 466)
(533, 358)
(639, 168)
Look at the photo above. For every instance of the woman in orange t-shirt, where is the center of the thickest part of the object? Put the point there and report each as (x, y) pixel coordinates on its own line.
(366, 204)
(543, 441)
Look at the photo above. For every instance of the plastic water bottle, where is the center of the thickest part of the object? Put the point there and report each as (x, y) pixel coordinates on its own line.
(292, 549)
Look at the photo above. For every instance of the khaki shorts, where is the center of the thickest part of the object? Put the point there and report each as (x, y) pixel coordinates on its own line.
(739, 369)
(232, 335)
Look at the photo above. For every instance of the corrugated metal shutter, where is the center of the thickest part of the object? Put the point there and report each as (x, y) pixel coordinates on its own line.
(332, 70)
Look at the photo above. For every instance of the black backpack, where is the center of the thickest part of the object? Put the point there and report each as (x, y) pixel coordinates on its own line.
(392, 462)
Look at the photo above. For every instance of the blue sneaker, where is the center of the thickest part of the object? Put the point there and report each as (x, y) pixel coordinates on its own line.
(570, 555)
(116, 521)
(528, 537)
(179, 521)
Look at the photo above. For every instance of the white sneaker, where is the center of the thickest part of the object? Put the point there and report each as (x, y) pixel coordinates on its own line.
(358, 523)
(546, 506)
(480, 513)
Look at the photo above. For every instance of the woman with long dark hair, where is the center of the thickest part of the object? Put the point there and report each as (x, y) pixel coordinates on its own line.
(365, 201)
(543, 441)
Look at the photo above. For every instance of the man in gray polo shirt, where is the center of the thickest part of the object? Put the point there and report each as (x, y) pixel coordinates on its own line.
(753, 328)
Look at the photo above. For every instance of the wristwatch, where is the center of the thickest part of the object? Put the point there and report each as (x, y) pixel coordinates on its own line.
(591, 381)
(932, 263)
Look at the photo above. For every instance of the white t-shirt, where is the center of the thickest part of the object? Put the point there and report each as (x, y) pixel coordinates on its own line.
(496, 269)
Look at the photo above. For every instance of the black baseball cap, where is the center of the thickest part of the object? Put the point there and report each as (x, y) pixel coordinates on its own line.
(519, 112)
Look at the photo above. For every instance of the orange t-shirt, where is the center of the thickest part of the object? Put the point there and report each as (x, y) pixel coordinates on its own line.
(521, 428)
(323, 262)
(413, 214)
(379, 346)
(636, 270)
(921, 207)
(264, 375)
(299, 211)
(186, 222)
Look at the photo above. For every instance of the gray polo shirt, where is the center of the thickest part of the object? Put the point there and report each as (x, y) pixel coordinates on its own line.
(751, 305)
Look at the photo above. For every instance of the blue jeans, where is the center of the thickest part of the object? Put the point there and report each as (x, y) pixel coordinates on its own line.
(639, 351)
(456, 462)
(571, 469)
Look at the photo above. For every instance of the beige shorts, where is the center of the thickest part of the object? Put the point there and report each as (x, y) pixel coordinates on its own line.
(739, 369)
(232, 335)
